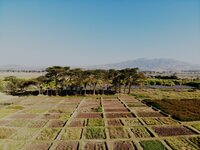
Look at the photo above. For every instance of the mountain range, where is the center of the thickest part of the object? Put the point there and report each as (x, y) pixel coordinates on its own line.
(158, 64)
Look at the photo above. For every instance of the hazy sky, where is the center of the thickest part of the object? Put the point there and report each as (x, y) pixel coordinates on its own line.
(87, 32)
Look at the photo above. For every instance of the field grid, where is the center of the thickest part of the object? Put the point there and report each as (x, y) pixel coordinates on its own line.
(92, 123)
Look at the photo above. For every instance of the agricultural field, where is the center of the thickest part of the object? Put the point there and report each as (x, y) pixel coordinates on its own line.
(91, 123)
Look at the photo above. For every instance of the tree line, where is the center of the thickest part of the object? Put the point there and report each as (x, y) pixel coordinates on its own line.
(64, 81)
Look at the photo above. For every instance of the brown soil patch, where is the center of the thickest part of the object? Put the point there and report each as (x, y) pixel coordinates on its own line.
(76, 123)
(150, 114)
(114, 122)
(116, 110)
(173, 131)
(24, 116)
(119, 115)
(89, 115)
(123, 145)
(51, 116)
(38, 146)
(96, 146)
(67, 146)
(56, 123)
(37, 123)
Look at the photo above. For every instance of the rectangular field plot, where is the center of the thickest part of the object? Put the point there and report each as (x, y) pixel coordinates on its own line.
(95, 122)
(173, 131)
(152, 121)
(11, 144)
(149, 114)
(95, 146)
(25, 134)
(141, 132)
(66, 146)
(48, 134)
(116, 110)
(37, 123)
(71, 134)
(131, 122)
(89, 115)
(18, 123)
(36, 145)
(114, 122)
(151, 145)
(195, 140)
(119, 115)
(6, 132)
(118, 132)
(180, 143)
(55, 124)
(77, 123)
(123, 145)
(95, 133)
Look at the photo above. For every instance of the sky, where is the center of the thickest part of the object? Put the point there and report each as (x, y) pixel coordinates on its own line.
(90, 32)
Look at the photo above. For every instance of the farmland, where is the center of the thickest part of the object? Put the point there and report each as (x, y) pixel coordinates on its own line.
(90, 122)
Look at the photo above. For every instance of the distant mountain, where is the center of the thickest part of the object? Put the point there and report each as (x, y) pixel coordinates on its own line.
(142, 63)
(150, 65)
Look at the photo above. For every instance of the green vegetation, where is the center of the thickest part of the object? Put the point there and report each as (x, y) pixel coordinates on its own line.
(118, 132)
(6, 132)
(152, 145)
(18, 107)
(98, 109)
(196, 126)
(63, 81)
(195, 140)
(180, 143)
(140, 132)
(48, 134)
(95, 122)
(184, 110)
(71, 134)
(95, 133)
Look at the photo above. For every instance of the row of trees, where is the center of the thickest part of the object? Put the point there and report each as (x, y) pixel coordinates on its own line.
(60, 79)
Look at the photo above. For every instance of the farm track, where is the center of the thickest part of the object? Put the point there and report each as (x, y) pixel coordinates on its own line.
(89, 123)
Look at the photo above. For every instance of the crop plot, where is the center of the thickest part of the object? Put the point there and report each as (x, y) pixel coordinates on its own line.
(95, 146)
(35, 145)
(195, 140)
(95, 133)
(48, 134)
(89, 115)
(141, 132)
(114, 122)
(6, 132)
(180, 143)
(55, 124)
(150, 145)
(37, 123)
(18, 123)
(149, 114)
(25, 134)
(95, 122)
(118, 132)
(77, 123)
(173, 131)
(67, 146)
(71, 134)
(131, 122)
(152, 121)
(119, 115)
(123, 145)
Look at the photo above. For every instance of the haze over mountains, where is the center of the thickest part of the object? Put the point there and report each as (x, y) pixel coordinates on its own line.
(143, 64)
